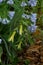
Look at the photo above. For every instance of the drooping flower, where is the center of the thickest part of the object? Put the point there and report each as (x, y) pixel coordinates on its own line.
(1, 1)
(25, 16)
(32, 28)
(33, 17)
(32, 2)
(5, 21)
(11, 14)
(0, 41)
(10, 2)
(23, 4)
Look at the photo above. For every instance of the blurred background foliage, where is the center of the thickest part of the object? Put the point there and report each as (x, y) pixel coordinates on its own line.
(15, 34)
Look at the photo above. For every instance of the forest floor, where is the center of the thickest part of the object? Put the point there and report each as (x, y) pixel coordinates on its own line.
(34, 53)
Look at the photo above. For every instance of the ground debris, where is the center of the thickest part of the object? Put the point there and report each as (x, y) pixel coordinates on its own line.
(34, 54)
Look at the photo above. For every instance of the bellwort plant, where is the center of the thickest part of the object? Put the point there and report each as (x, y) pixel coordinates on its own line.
(17, 23)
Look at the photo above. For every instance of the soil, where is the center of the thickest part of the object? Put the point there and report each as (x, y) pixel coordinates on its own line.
(34, 53)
